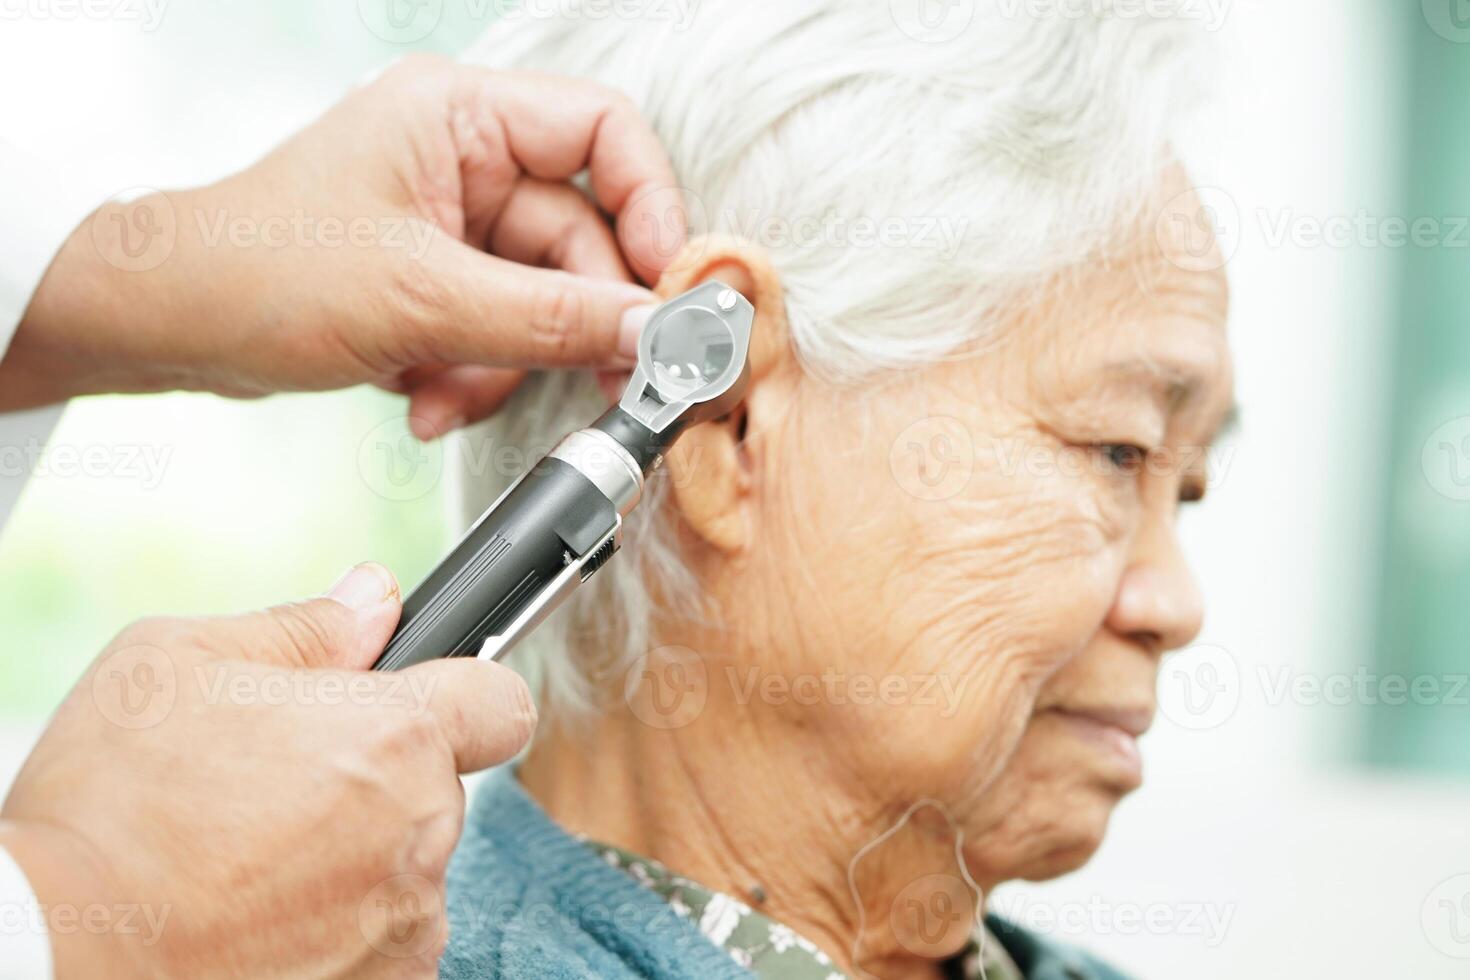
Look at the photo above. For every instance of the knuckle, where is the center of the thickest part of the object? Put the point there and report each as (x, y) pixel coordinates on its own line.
(523, 710)
(301, 631)
(409, 736)
(415, 299)
(557, 313)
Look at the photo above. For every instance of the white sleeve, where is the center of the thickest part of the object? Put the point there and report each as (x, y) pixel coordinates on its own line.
(25, 949)
(39, 209)
(40, 206)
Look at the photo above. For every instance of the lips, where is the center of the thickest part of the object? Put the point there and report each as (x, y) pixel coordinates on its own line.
(1133, 720)
(1113, 732)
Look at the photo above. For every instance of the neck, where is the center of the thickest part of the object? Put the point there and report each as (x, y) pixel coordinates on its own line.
(763, 819)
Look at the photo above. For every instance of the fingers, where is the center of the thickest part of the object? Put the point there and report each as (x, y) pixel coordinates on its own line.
(487, 310)
(553, 225)
(483, 709)
(554, 128)
(542, 224)
(456, 397)
(348, 628)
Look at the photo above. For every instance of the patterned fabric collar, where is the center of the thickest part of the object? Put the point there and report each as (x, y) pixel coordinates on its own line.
(764, 946)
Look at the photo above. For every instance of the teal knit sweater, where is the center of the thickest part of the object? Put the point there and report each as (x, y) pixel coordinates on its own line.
(527, 901)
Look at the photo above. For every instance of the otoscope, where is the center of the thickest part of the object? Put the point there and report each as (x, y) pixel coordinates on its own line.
(563, 519)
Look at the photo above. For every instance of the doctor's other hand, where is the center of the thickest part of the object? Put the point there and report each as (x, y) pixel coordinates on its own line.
(241, 798)
(424, 235)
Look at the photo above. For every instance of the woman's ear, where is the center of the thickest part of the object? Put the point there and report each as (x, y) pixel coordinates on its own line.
(711, 467)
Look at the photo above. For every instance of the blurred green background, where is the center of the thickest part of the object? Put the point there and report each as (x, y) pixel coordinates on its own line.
(1426, 538)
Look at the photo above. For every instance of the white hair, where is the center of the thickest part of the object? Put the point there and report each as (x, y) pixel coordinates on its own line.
(908, 192)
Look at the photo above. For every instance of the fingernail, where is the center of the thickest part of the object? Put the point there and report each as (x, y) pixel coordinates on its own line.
(631, 331)
(452, 425)
(427, 429)
(364, 587)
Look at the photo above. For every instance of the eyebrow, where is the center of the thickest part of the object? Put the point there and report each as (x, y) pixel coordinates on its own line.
(1177, 386)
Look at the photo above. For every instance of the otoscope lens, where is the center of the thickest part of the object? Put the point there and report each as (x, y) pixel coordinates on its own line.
(691, 349)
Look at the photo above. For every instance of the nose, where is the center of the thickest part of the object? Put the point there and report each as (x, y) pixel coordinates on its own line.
(1158, 603)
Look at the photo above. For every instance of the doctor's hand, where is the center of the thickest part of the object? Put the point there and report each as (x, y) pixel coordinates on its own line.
(424, 235)
(239, 798)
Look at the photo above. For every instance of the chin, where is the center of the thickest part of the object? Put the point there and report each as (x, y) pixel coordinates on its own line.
(1070, 845)
(1054, 828)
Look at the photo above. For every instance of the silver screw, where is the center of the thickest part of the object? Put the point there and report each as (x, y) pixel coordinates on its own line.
(727, 300)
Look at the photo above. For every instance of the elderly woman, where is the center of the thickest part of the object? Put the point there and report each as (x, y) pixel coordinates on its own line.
(887, 635)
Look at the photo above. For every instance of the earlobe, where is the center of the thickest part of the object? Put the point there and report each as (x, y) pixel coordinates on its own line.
(710, 467)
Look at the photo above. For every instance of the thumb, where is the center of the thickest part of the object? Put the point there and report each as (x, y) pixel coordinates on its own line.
(484, 709)
(492, 311)
(346, 628)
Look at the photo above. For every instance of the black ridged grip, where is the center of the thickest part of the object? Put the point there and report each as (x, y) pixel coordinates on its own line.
(552, 516)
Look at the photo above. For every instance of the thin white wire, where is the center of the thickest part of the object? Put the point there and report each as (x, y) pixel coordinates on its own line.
(959, 840)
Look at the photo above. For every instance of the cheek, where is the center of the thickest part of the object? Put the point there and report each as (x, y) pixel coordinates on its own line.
(1015, 575)
(966, 604)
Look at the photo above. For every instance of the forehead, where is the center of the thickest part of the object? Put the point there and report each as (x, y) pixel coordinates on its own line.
(1152, 313)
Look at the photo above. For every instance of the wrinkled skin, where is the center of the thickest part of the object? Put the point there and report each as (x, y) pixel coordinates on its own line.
(1034, 600)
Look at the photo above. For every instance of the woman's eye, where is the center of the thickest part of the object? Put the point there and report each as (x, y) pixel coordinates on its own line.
(1124, 458)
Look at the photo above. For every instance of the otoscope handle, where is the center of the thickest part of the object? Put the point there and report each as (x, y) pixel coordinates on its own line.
(546, 535)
